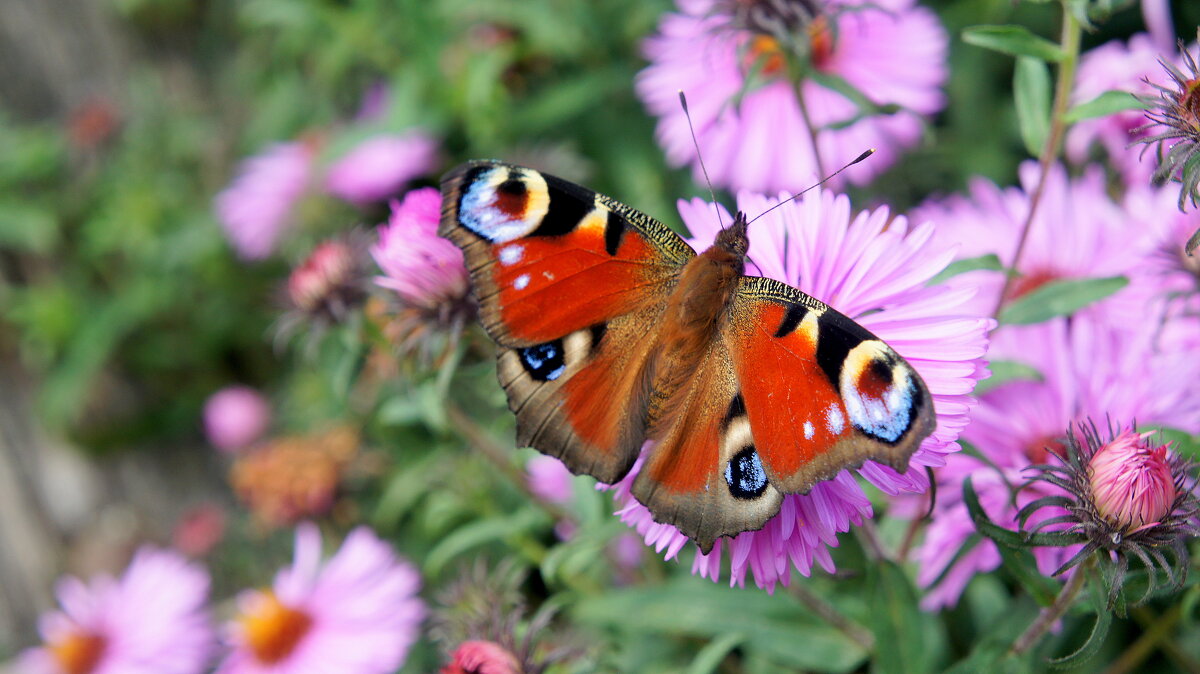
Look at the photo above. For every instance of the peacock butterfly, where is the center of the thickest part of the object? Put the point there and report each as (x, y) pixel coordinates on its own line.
(613, 331)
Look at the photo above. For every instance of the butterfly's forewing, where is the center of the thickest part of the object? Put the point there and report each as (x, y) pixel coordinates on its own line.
(793, 393)
(569, 285)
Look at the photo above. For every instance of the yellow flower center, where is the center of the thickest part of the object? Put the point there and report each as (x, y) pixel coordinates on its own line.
(821, 40)
(767, 54)
(273, 629)
(78, 652)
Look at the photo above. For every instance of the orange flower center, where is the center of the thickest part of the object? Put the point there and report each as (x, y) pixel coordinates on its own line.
(273, 629)
(1027, 283)
(78, 653)
(820, 38)
(765, 53)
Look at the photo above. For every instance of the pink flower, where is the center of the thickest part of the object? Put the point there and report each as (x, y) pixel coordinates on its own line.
(550, 480)
(357, 613)
(199, 530)
(1077, 232)
(424, 269)
(152, 620)
(235, 417)
(257, 206)
(1131, 481)
(1091, 370)
(754, 136)
(378, 167)
(1120, 67)
(874, 268)
(481, 657)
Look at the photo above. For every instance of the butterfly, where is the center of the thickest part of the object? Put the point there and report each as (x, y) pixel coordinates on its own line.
(611, 331)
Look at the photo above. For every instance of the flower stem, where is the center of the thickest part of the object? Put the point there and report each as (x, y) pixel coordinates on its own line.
(826, 611)
(812, 129)
(1071, 34)
(1051, 614)
(500, 458)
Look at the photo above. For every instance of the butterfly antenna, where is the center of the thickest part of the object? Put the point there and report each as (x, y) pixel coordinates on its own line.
(854, 161)
(683, 104)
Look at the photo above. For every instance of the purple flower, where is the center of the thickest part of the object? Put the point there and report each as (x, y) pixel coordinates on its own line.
(549, 479)
(1091, 370)
(1077, 232)
(753, 134)
(152, 620)
(377, 168)
(257, 206)
(235, 417)
(873, 268)
(358, 613)
(1121, 67)
(424, 269)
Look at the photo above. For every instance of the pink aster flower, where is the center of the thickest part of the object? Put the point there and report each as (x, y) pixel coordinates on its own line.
(481, 657)
(874, 268)
(753, 135)
(256, 208)
(358, 613)
(1090, 369)
(550, 479)
(377, 168)
(1121, 67)
(152, 620)
(1173, 276)
(1077, 232)
(424, 269)
(235, 417)
(1131, 482)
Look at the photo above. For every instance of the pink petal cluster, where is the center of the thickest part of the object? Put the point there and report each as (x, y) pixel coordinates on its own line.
(377, 168)
(481, 657)
(152, 620)
(874, 268)
(357, 613)
(1131, 480)
(1117, 66)
(256, 209)
(236, 417)
(424, 269)
(892, 51)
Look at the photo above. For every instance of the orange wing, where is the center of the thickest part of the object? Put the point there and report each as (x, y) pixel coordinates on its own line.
(792, 393)
(569, 284)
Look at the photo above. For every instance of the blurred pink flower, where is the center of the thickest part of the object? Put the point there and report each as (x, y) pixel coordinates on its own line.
(1078, 232)
(1090, 370)
(874, 268)
(550, 479)
(357, 613)
(481, 657)
(256, 208)
(1131, 481)
(235, 417)
(424, 269)
(755, 137)
(1173, 275)
(377, 168)
(152, 620)
(1121, 67)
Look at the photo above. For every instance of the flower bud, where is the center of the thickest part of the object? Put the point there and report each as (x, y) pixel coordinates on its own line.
(1131, 482)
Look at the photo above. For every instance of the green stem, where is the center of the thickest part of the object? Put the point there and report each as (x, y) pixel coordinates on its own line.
(812, 129)
(1052, 613)
(1071, 34)
(827, 612)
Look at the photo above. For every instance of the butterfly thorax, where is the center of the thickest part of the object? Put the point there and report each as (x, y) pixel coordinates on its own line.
(696, 311)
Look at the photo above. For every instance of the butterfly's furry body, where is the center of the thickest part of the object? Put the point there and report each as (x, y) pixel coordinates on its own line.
(613, 331)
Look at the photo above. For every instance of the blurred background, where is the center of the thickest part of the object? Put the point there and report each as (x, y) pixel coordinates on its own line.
(124, 307)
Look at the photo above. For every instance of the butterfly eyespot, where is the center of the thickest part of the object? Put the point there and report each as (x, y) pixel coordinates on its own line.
(880, 393)
(544, 362)
(501, 204)
(745, 475)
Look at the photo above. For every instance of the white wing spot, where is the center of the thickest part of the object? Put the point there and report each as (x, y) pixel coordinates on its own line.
(834, 420)
(548, 275)
(512, 254)
(809, 430)
(521, 282)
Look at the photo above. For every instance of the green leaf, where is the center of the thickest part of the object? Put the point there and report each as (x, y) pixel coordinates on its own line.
(1107, 103)
(992, 652)
(1031, 93)
(1060, 298)
(989, 262)
(1183, 443)
(896, 621)
(776, 627)
(1095, 593)
(711, 656)
(477, 533)
(1013, 40)
(1004, 372)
